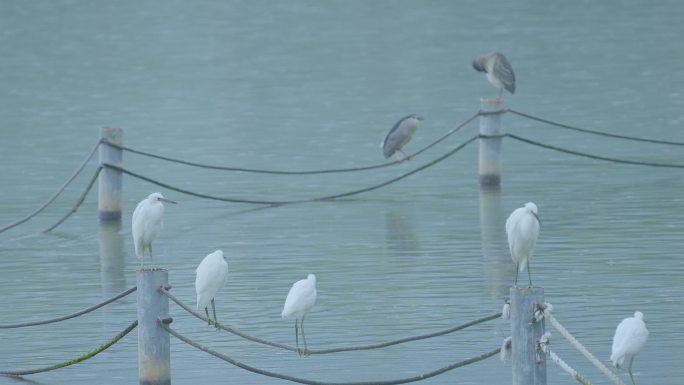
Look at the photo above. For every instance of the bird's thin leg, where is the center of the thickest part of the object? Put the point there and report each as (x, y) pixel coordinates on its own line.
(500, 94)
(517, 270)
(213, 308)
(406, 157)
(629, 370)
(297, 337)
(306, 348)
(142, 261)
(151, 258)
(529, 275)
(206, 310)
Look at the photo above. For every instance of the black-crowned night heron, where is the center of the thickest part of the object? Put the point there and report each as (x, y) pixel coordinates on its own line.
(400, 134)
(498, 69)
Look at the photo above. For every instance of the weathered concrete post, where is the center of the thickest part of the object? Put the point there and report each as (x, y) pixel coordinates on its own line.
(490, 148)
(154, 354)
(109, 183)
(529, 367)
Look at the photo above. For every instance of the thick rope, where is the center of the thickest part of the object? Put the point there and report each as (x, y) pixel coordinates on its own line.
(577, 345)
(327, 351)
(544, 346)
(78, 203)
(277, 203)
(72, 315)
(56, 193)
(283, 172)
(550, 122)
(314, 382)
(76, 360)
(572, 152)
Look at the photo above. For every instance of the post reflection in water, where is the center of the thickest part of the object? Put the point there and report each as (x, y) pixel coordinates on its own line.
(112, 258)
(400, 236)
(497, 264)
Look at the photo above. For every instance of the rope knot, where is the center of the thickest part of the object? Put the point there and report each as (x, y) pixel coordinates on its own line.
(506, 311)
(506, 349)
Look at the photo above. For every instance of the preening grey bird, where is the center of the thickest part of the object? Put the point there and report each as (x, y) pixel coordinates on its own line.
(522, 228)
(146, 224)
(630, 337)
(399, 135)
(498, 69)
(211, 276)
(300, 299)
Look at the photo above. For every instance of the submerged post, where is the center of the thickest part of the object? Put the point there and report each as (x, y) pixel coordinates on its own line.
(490, 143)
(529, 365)
(109, 183)
(154, 357)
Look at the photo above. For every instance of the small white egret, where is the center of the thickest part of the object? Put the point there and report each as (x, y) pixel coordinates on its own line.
(630, 337)
(399, 135)
(299, 301)
(211, 276)
(522, 228)
(147, 221)
(498, 69)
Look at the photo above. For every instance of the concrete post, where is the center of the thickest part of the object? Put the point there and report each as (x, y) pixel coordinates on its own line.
(154, 354)
(490, 148)
(529, 366)
(109, 184)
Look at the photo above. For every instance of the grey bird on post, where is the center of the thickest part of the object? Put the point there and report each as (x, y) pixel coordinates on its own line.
(498, 69)
(399, 135)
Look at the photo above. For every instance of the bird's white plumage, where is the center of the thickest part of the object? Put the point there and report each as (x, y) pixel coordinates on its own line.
(211, 276)
(630, 337)
(522, 228)
(301, 298)
(147, 222)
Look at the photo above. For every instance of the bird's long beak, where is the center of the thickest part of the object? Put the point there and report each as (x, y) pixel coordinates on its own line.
(538, 220)
(168, 200)
(420, 118)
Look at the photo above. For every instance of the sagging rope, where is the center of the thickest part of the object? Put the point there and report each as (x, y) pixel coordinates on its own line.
(543, 344)
(298, 201)
(544, 311)
(56, 193)
(284, 172)
(333, 350)
(76, 360)
(80, 201)
(163, 324)
(72, 315)
(598, 157)
(561, 125)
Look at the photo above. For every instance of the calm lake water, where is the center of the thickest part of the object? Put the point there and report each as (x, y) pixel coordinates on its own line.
(308, 85)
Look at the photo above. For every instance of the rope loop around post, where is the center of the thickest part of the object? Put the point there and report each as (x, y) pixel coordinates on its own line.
(581, 348)
(76, 360)
(286, 377)
(543, 345)
(72, 315)
(332, 350)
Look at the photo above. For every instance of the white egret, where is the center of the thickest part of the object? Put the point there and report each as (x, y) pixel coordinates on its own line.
(399, 135)
(522, 228)
(300, 300)
(147, 222)
(630, 337)
(211, 276)
(498, 69)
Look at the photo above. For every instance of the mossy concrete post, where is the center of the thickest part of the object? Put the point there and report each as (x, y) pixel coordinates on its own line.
(154, 353)
(529, 363)
(490, 143)
(109, 183)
